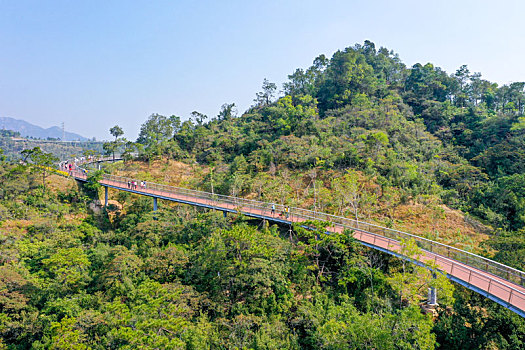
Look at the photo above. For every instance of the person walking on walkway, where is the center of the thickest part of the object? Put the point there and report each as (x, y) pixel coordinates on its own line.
(273, 209)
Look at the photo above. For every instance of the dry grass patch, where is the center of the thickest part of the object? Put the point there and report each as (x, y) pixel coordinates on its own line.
(170, 173)
(431, 220)
(441, 223)
(57, 183)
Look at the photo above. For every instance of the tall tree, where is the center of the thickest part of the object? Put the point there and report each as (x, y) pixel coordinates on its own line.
(111, 147)
(228, 111)
(155, 133)
(43, 161)
(265, 97)
(116, 131)
(199, 117)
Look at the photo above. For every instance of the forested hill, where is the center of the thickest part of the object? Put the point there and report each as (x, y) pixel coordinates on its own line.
(417, 129)
(358, 135)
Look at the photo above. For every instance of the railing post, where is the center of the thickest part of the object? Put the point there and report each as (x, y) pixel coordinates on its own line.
(432, 296)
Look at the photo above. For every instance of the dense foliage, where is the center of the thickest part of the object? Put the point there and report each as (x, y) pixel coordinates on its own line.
(359, 135)
(182, 278)
(418, 129)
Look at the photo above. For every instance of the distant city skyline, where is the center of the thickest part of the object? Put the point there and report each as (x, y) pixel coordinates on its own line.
(93, 65)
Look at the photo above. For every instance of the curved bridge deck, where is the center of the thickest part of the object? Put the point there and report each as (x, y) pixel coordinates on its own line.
(496, 281)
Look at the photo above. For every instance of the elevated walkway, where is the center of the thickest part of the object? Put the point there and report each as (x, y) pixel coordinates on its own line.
(498, 282)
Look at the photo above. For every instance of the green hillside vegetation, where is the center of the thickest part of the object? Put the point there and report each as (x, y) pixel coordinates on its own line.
(335, 192)
(359, 135)
(415, 134)
(182, 278)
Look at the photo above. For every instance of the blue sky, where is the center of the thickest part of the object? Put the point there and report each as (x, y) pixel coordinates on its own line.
(95, 64)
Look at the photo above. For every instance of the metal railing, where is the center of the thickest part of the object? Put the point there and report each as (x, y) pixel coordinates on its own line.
(450, 259)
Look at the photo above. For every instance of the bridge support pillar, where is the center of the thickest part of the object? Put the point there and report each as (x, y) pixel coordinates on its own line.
(105, 196)
(155, 204)
(225, 213)
(98, 165)
(432, 296)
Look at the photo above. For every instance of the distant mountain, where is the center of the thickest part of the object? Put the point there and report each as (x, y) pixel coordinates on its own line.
(30, 130)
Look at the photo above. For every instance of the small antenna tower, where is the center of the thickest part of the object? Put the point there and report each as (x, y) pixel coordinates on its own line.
(63, 132)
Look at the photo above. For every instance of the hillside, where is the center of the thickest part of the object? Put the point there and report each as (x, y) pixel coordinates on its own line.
(429, 219)
(359, 135)
(417, 135)
(400, 136)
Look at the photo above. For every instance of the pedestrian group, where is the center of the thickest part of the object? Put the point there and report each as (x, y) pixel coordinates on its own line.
(132, 184)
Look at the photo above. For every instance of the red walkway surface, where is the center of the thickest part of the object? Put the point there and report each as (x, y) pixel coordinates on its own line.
(476, 276)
